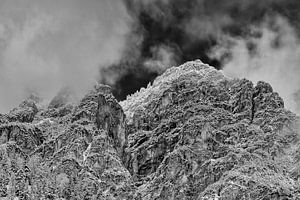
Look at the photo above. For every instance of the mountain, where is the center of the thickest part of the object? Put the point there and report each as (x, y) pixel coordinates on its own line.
(192, 134)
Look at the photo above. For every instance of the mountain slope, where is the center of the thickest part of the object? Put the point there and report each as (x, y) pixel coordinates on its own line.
(193, 134)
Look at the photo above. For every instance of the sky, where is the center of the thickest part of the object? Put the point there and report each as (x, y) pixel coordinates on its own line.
(47, 45)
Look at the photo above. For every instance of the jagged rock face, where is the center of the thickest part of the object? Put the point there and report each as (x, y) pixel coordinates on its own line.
(192, 134)
(72, 155)
(111, 117)
(196, 134)
(24, 113)
(26, 136)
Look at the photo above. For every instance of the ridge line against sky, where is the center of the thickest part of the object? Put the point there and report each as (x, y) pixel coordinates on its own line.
(50, 44)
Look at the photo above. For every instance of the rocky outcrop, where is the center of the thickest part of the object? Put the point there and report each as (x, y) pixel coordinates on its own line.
(26, 136)
(192, 134)
(25, 112)
(196, 134)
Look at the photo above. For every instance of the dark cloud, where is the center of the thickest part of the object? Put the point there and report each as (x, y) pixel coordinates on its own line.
(194, 29)
(50, 44)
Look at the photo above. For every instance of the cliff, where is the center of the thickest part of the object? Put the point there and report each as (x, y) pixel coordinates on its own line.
(192, 134)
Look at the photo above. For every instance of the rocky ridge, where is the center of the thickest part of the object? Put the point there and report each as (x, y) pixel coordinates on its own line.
(192, 134)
